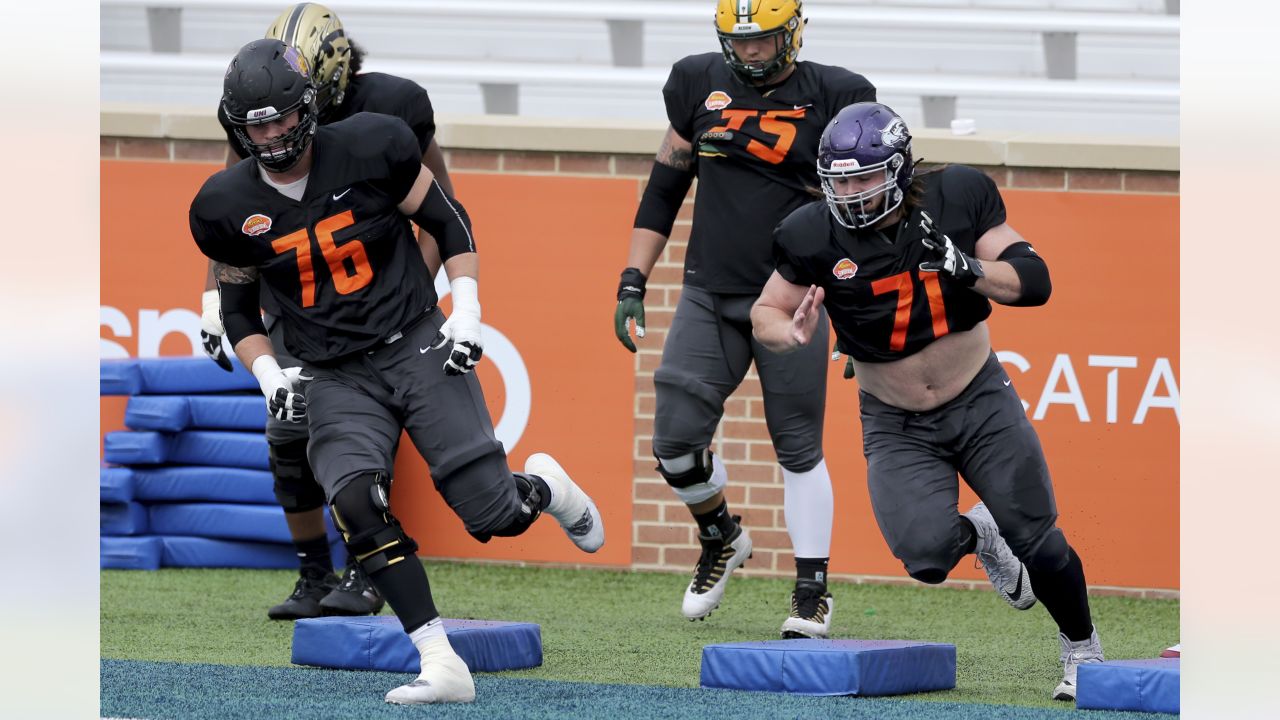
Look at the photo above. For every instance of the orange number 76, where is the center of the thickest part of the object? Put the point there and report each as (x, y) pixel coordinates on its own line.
(344, 281)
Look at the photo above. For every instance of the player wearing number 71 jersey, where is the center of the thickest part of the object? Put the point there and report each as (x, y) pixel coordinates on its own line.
(907, 266)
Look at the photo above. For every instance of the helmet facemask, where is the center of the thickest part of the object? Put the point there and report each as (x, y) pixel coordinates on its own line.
(783, 57)
(282, 153)
(855, 210)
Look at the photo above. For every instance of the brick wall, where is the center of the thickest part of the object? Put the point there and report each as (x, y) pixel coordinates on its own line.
(663, 534)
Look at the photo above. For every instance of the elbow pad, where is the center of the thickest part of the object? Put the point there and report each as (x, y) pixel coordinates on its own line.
(1032, 271)
(662, 198)
(240, 312)
(446, 220)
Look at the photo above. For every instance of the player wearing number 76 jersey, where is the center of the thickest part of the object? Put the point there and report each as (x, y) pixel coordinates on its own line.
(907, 266)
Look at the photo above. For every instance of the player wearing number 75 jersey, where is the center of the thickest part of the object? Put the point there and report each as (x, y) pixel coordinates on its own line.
(745, 121)
(320, 214)
(907, 266)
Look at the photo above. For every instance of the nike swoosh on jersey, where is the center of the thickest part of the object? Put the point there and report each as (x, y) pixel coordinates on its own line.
(338, 196)
(423, 351)
(1007, 383)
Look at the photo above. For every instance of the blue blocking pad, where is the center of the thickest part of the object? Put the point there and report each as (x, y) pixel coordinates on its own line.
(180, 375)
(1143, 685)
(202, 552)
(193, 447)
(130, 553)
(126, 518)
(115, 485)
(172, 413)
(258, 523)
(830, 667)
(380, 643)
(119, 377)
(191, 483)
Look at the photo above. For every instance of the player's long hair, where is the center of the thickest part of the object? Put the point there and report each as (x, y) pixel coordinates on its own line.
(915, 193)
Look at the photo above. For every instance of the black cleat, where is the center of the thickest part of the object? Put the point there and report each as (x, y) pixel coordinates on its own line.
(355, 595)
(307, 592)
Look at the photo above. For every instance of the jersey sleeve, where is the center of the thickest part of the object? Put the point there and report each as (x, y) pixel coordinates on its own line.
(400, 160)
(848, 88)
(232, 140)
(981, 198)
(791, 265)
(421, 117)
(211, 240)
(676, 94)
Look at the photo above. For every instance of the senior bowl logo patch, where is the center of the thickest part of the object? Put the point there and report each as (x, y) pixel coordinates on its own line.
(717, 100)
(256, 224)
(845, 269)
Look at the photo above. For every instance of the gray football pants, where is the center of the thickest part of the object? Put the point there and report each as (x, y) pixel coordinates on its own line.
(708, 351)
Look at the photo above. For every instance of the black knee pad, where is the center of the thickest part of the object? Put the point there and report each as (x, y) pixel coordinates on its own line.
(929, 576)
(531, 505)
(372, 534)
(295, 486)
(699, 473)
(1051, 555)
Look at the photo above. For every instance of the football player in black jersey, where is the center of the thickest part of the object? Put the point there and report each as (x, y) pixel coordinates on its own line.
(341, 91)
(745, 121)
(320, 215)
(907, 266)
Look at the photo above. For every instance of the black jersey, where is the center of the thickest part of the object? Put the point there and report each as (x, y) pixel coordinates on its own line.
(881, 304)
(343, 264)
(371, 92)
(756, 153)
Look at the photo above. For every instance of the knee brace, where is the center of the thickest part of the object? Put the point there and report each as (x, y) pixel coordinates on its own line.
(531, 505)
(372, 534)
(695, 477)
(1051, 555)
(295, 486)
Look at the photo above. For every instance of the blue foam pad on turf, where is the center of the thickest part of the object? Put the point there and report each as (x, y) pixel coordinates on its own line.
(830, 667)
(258, 523)
(130, 553)
(171, 413)
(1144, 685)
(210, 552)
(180, 375)
(119, 377)
(189, 483)
(127, 518)
(193, 447)
(115, 485)
(380, 643)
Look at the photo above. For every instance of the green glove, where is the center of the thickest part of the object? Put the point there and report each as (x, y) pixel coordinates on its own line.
(630, 307)
(848, 363)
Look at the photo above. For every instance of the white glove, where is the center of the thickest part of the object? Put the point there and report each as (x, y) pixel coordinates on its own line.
(283, 389)
(211, 330)
(462, 328)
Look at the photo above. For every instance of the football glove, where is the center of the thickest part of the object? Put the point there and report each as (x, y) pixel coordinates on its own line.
(211, 330)
(630, 307)
(462, 328)
(848, 363)
(283, 389)
(950, 259)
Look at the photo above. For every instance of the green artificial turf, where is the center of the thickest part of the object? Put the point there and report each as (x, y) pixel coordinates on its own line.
(626, 628)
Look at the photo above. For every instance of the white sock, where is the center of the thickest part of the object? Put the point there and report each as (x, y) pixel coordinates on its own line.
(431, 640)
(808, 509)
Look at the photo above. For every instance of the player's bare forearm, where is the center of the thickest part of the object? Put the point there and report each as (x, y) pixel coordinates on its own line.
(463, 265)
(225, 273)
(675, 151)
(646, 248)
(430, 251)
(253, 347)
(210, 282)
(1000, 283)
(771, 326)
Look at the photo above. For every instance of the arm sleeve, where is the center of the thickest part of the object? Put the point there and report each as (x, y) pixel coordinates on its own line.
(675, 94)
(240, 314)
(447, 221)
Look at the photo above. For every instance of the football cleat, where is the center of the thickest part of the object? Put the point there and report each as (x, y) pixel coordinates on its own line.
(720, 557)
(1007, 573)
(311, 587)
(570, 506)
(811, 608)
(354, 595)
(1075, 654)
(1172, 652)
(444, 678)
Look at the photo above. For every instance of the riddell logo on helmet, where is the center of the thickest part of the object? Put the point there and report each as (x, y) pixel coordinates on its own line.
(845, 164)
(256, 224)
(717, 100)
(845, 269)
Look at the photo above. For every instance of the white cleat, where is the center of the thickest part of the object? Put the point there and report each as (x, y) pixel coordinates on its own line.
(570, 506)
(444, 679)
(1075, 654)
(719, 559)
(811, 609)
(1005, 571)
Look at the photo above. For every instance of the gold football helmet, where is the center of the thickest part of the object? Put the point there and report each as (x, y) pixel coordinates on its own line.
(745, 19)
(317, 33)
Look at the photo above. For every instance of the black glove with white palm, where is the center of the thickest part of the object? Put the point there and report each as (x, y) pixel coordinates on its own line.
(211, 330)
(284, 389)
(951, 260)
(462, 328)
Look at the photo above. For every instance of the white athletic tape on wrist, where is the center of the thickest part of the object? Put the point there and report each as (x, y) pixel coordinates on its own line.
(466, 296)
(211, 313)
(269, 375)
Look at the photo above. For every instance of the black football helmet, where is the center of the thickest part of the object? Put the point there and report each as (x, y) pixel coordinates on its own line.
(268, 80)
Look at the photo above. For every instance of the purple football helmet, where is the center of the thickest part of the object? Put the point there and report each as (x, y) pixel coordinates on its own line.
(865, 140)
